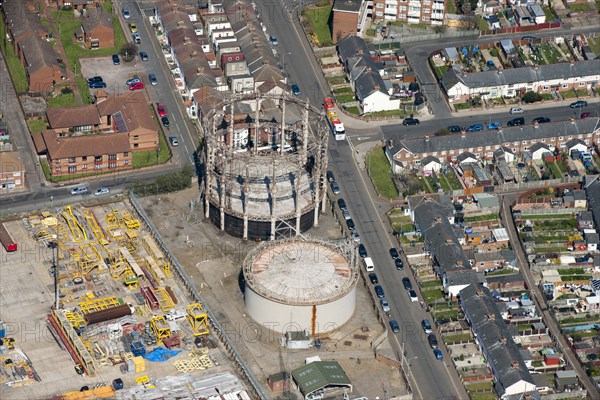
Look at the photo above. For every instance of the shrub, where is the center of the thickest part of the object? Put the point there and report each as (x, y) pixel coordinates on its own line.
(532, 97)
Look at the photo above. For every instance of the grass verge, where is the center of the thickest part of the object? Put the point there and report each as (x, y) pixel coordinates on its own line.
(381, 174)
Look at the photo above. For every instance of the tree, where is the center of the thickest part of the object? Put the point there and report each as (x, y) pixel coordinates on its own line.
(442, 132)
(531, 97)
(129, 51)
(439, 28)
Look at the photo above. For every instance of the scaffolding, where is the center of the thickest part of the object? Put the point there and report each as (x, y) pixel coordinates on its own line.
(198, 319)
(93, 305)
(75, 319)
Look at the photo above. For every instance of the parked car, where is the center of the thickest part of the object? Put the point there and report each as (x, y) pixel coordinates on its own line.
(165, 121)
(362, 250)
(136, 86)
(116, 60)
(296, 90)
(152, 79)
(373, 278)
(454, 129)
(541, 120)
(394, 326)
(394, 252)
(346, 214)
(136, 38)
(160, 109)
(516, 122)
(495, 125)
(406, 283)
(585, 115)
(438, 354)
(379, 291)
(173, 140)
(579, 104)
(341, 204)
(410, 121)
(95, 79)
(426, 326)
(97, 85)
(131, 81)
(330, 176)
(102, 191)
(350, 224)
(355, 236)
(79, 190)
(413, 296)
(432, 341)
(474, 128)
(144, 56)
(335, 188)
(516, 110)
(399, 264)
(126, 13)
(132, 27)
(385, 306)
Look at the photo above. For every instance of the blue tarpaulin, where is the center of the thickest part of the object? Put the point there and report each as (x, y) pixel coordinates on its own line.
(160, 354)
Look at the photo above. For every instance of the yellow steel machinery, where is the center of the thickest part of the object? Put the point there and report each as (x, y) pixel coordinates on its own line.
(153, 250)
(104, 303)
(160, 327)
(94, 227)
(198, 319)
(77, 231)
(75, 319)
(164, 299)
(130, 222)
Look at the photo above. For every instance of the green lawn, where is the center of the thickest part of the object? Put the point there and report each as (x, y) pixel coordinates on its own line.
(432, 295)
(485, 217)
(344, 98)
(594, 43)
(555, 171)
(504, 271)
(483, 396)
(580, 7)
(354, 110)
(549, 14)
(447, 314)
(84, 90)
(450, 7)
(381, 174)
(562, 166)
(37, 125)
(62, 100)
(479, 386)
(570, 271)
(430, 284)
(337, 80)
(342, 90)
(388, 113)
(555, 249)
(15, 68)
(67, 25)
(147, 158)
(547, 216)
(569, 94)
(439, 70)
(444, 183)
(461, 106)
(458, 338)
(318, 22)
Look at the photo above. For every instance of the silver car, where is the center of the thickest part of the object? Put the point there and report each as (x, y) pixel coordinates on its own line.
(152, 79)
(385, 306)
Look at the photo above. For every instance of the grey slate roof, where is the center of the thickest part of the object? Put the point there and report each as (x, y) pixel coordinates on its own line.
(538, 146)
(429, 159)
(349, 46)
(497, 138)
(593, 196)
(578, 194)
(367, 83)
(464, 156)
(359, 64)
(574, 142)
(497, 344)
(347, 5)
(513, 76)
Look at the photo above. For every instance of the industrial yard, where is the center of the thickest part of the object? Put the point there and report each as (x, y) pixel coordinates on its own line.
(119, 306)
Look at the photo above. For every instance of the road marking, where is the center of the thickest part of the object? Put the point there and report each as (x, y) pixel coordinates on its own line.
(408, 372)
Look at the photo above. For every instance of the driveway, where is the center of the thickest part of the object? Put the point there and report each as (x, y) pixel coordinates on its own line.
(115, 76)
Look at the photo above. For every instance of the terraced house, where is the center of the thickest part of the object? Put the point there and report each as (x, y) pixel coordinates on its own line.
(411, 11)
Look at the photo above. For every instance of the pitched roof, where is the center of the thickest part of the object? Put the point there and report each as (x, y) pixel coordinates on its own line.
(369, 82)
(69, 117)
(496, 138)
(207, 98)
(319, 374)
(465, 155)
(492, 333)
(85, 145)
(96, 17)
(351, 46)
(430, 159)
(539, 146)
(574, 142)
(592, 191)
(38, 53)
(511, 76)
(135, 109)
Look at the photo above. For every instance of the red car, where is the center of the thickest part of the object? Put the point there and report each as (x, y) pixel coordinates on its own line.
(136, 86)
(585, 115)
(161, 110)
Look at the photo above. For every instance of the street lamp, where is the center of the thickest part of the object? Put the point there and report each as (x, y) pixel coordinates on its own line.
(157, 153)
(54, 246)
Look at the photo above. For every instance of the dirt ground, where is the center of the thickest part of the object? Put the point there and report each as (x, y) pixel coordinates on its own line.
(213, 259)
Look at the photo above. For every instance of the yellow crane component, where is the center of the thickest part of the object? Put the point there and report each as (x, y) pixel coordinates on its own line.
(119, 269)
(152, 249)
(104, 303)
(198, 319)
(77, 231)
(90, 252)
(130, 222)
(164, 299)
(160, 327)
(75, 319)
(155, 270)
(74, 253)
(90, 218)
(131, 281)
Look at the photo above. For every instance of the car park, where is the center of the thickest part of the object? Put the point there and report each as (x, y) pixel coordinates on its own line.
(579, 104)
(373, 278)
(406, 283)
(585, 115)
(433, 343)
(173, 140)
(79, 190)
(152, 79)
(136, 86)
(144, 56)
(131, 81)
(426, 326)
(379, 291)
(495, 125)
(132, 27)
(399, 264)
(438, 354)
(516, 122)
(410, 121)
(454, 129)
(330, 176)
(335, 188)
(516, 110)
(97, 85)
(102, 191)
(350, 224)
(165, 121)
(413, 296)
(341, 204)
(296, 90)
(385, 306)
(474, 128)
(541, 120)
(160, 109)
(394, 326)
(362, 250)
(394, 252)
(94, 79)
(116, 60)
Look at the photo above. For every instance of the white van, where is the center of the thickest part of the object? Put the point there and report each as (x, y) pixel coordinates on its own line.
(369, 266)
